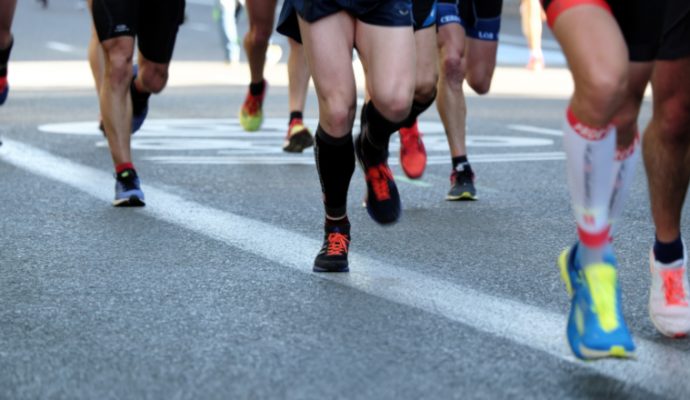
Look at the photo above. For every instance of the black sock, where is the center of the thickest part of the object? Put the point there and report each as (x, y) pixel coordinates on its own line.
(140, 100)
(416, 111)
(337, 222)
(335, 163)
(5, 58)
(295, 115)
(668, 252)
(257, 88)
(460, 163)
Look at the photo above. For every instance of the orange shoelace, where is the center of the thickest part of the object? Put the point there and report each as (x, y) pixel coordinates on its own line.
(410, 139)
(337, 244)
(378, 176)
(673, 287)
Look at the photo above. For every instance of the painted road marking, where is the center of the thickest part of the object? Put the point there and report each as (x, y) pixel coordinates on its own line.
(61, 47)
(520, 323)
(536, 129)
(224, 142)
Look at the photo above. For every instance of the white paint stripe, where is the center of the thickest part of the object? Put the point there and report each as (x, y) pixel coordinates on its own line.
(276, 159)
(413, 182)
(536, 129)
(61, 47)
(659, 369)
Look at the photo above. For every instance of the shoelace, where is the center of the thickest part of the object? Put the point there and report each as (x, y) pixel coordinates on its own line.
(337, 244)
(379, 175)
(673, 287)
(411, 139)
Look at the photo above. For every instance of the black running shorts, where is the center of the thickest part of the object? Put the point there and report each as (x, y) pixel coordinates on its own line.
(424, 13)
(480, 18)
(153, 22)
(652, 29)
(375, 12)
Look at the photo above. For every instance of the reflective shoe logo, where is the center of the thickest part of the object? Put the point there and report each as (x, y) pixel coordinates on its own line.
(673, 287)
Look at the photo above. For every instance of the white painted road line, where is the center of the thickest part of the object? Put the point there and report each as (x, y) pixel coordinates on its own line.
(280, 159)
(520, 323)
(61, 47)
(535, 129)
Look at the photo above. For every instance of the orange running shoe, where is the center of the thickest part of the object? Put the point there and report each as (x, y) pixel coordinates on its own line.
(412, 152)
(298, 137)
(251, 113)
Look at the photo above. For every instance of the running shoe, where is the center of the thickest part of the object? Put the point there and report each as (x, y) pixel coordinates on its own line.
(138, 118)
(462, 185)
(669, 297)
(4, 89)
(382, 199)
(535, 63)
(412, 152)
(333, 254)
(298, 137)
(128, 190)
(251, 113)
(596, 328)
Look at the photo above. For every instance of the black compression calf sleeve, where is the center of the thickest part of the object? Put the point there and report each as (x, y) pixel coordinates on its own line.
(5, 58)
(416, 111)
(378, 128)
(335, 163)
(139, 99)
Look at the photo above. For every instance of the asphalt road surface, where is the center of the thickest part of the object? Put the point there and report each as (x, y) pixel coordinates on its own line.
(207, 292)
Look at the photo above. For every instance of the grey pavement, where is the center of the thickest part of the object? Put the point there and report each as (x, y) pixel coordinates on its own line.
(207, 292)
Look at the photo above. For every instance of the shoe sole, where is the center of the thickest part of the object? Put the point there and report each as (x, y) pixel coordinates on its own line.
(298, 142)
(331, 268)
(132, 201)
(465, 196)
(251, 124)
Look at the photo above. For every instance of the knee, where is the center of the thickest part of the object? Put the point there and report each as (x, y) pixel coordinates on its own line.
(602, 93)
(154, 77)
(395, 105)
(120, 70)
(674, 119)
(480, 82)
(259, 35)
(118, 57)
(339, 116)
(425, 91)
(453, 70)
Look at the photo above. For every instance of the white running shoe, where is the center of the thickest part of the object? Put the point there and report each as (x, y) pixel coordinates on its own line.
(669, 297)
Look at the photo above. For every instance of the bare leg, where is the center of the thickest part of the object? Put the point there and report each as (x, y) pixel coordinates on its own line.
(666, 146)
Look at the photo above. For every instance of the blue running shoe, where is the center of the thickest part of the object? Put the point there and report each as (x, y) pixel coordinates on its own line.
(127, 190)
(141, 110)
(596, 328)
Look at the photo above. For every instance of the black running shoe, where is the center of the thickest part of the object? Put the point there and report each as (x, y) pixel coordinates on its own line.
(383, 199)
(333, 254)
(127, 190)
(462, 185)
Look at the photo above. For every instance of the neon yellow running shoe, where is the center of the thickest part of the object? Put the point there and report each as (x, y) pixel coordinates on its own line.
(251, 113)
